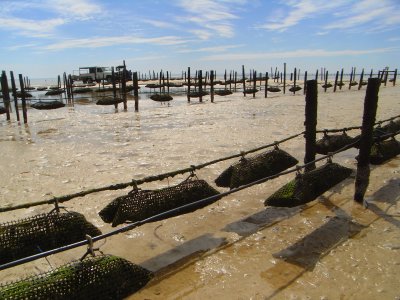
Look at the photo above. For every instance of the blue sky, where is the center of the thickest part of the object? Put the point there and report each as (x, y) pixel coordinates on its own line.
(43, 38)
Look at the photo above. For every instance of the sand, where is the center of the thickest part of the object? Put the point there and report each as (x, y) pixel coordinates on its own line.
(331, 248)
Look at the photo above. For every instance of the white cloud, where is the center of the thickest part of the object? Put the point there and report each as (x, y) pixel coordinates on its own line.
(294, 54)
(215, 16)
(98, 42)
(38, 28)
(160, 24)
(79, 9)
(300, 10)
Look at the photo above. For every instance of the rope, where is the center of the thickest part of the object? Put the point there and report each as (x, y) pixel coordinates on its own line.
(162, 176)
(165, 214)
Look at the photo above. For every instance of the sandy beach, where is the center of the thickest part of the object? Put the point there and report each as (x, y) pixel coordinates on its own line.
(236, 248)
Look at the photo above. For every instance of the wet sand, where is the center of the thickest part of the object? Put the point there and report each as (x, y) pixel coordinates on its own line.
(331, 248)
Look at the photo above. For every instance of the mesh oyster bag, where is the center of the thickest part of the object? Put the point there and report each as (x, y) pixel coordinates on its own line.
(383, 151)
(141, 204)
(47, 105)
(254, 168)
(332, 143)
(42, 232)
(100, 277)
(308, 186)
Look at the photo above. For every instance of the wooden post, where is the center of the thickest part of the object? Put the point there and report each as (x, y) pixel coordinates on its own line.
(70, 81)
(14, 90)
(305, 83)
(311, 123)
(326, 81)
(135, 90)
(394, 77)
(361, 79)
(114, 87)
(386, 76)
(341, 79)
(316, 75)
(167, 82)
(235, 81)
(244, 81)
(366, 139)
(295, 77)
(201, 85)
(6, 94)
(212, 85)
(266, 85)
(352, 75)
(370, 74)
(188, 86)
(254, 83)
(336, 81)
(284, 78)
(22, 88)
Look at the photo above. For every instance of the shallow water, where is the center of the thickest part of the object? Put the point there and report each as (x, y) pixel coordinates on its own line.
(234, 248)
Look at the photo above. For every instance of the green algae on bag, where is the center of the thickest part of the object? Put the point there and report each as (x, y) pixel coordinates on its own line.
(142, 204)
(308, 186)
(100, 277)
(254, 168)
(42, 232)
(383, 151)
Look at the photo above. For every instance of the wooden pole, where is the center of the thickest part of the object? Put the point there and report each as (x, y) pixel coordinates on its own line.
(266, 85)
(135, 83)
(316, 75)
(284, 78)
(305, 83)
(254, 83)
(326, 81)
(124, 87)
(394, 77)
(361, 79)
(366, 139)
(114, 87)
(6, 94)
(22, 88)
(336, 81)
(294, 83)
(212, 85)
(188, 86)
(386, 76)
(341, 79)
(200, 85)
(311, 123)
(14, 90)
(244, 81)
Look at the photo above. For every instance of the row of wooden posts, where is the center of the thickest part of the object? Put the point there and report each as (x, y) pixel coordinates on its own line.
(200, 83)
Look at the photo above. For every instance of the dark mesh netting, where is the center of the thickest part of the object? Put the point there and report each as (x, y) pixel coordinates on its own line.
(43, 232)
(223, 92)
(43, 105)
(308, 186)
(383, 151)
(141, 204)
(257, 167)
(161, 97)
(391, 127)
(109, 101)
(332, 143)
(100, 277)
(2, 110)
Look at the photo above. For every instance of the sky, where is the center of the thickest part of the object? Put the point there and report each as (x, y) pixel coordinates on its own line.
(44, 38)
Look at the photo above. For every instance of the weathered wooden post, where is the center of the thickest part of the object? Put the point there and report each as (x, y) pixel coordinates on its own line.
(284, 78)
(336, 81)
(305, 83)
(6, 94)
(326, 81)
(114, 86)
(254, 83)
(14, 91)
(212, 85)
(236, 80)
(70, 82)
(266, 85)
(294, 83)
(386, 76)
(394, 77)
(311, 123)
(135, 90)
(341, 79)
(188, 85)
(370, 74)
(316, 75)
(361, 79)
(366, 139)
(244, 81)
(200, 85)
(352, 75)
(167, 82)
(24, 111)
